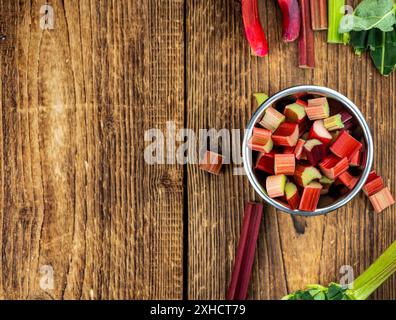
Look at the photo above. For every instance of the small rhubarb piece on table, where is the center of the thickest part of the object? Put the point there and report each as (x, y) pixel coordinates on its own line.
(305, 174)
(295, 112)
(272, 119)
(211, 162)
(261, 140)
(318, 131)
(275, 185)
(265, 162)
(260, 98)
(286, 135)
(332, 166)
(317, 109)
(348, 180)
(373, 185)
(382, 200)
(292, 196)
(319, 14)
(345, 145)
(310, 197)
(315, 151)
(299, 150)
(244, 259)
(333, 123)
(291, 19)
(285, 164)
(253, 28)
(306, 46)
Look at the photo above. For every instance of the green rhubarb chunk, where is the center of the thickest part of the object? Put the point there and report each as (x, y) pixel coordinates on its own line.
(260, 97)
(310, 144)
(294, 112)
(310, 174)
(333, 123)
(326, 181)
(290, 190)
(268, 146)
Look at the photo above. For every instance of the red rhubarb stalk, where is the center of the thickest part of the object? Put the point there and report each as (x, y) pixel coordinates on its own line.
(306, 47)
(245, 253)
(310, 198)
(319, 14)
(253, 28)
(291, 19)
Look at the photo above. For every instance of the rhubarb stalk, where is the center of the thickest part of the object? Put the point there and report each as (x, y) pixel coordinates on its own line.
(319, 14)
(291, 19)
(306, 42)
(336, 12)
(253, 28)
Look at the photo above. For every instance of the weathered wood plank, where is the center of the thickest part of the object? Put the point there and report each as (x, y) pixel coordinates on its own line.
(292, 252)
(76, 194)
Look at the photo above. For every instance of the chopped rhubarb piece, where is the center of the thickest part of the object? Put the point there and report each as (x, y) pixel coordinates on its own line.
(292, 196)
(326, 183)
(310, 197)
(333, 166)
(315, 151)
(318, 131)
(348, 180)
(286, 135)
(306, 46)
(260, 98)
(261, 140)
(265, 162)
(345, 145)
(333, 123)
(319, 14)
(275, 185)
(305, 174)
(382, 200)
(318, 109)
(272, 119)
(299, 149)
(285, 164)
(211, 162)
(345, 116)
(295, 112)
(373, 186)
(288, 150)
(372, 175)
(291, 19)
(354, 159)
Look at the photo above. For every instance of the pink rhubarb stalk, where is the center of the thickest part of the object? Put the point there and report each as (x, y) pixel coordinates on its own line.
(291, 19)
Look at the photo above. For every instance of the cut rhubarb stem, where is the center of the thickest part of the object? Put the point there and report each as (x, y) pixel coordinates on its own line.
(336, 12)
(306, 47)
(318, 109)
(295, 112)
(332, 166)
(333, 123)
(315, 151)
(310, 198)
(354, 159)
(345, 145)
(319, 132)
(373, 184)
(286, 135)
(305, 174)
(253, 28)
(319, 14)
(211, 162)
(299, 150)
(348, 180)
(285, 164)
(364, 285)
(260, 98)
(382, 200)
(245, 253)
(272, 119)
(266, 162)
(291, 19)
(276, 185)
(292, 196)
(261, 140)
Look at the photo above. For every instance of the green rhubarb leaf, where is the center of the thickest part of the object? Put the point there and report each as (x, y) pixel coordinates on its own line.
(370, 14)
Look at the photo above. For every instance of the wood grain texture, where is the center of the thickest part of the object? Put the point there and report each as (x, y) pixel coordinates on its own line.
(292, 252)
(76, 193)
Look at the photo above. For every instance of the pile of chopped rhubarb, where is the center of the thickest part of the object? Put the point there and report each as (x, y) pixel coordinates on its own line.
(309, 151)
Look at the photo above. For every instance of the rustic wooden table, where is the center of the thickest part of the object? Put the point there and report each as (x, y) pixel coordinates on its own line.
(77, 197)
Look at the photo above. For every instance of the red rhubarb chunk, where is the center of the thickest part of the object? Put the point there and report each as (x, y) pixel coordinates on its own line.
(261, 140)
(265, 162)
(310, 198)
(348, 180)
(332, 166)
(285, 164)
(373, 186)
(318, 131)
(292, 195)
(345, 145)
(382, 200)
(315, 151)
(286, 134)
(211, 162)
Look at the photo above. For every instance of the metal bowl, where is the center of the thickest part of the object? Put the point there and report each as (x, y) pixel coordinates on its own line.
(329, 93)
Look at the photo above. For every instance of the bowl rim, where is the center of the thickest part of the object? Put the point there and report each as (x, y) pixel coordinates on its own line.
(330, 93)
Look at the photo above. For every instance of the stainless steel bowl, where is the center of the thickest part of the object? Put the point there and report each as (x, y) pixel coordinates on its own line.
(348, 104)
